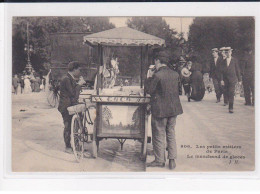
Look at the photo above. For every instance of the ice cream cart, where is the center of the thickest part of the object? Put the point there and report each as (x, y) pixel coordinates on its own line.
(121, 111)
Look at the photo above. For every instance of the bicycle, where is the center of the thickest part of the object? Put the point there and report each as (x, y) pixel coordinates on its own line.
(80, 134)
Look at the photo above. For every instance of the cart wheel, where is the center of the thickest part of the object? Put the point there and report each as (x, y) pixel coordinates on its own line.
(53, 99)
(77, 139)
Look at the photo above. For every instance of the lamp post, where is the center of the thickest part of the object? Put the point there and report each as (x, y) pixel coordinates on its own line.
(29, 49)
(181, 41)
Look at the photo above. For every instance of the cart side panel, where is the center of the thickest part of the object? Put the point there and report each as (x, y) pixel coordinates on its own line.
(120, 120)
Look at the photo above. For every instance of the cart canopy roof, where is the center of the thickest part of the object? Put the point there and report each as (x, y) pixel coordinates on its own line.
(123, 36)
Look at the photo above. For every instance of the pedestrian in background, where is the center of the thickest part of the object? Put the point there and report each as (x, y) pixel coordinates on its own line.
(248, 77)
(230, 75)
(162, 85)
(214, 73)
(15, 83)
(185, 74)
(196, 81)
(37, 83)
(27, 85)
(22, 83)
(32, 79)
(224, 56)
(181, 64)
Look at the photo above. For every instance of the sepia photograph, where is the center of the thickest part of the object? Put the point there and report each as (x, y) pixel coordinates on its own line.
(133, 94)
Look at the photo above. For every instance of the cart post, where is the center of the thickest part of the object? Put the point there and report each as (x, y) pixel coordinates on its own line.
(141, 74)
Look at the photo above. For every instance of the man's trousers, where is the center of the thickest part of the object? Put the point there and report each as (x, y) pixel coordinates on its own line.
(218, 88)
(248, 85)
(161, 128)
(67, 127)
(229, 91)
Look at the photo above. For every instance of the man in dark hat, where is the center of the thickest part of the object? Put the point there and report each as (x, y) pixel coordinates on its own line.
(162, 85)
(230, 75)
(214, 73)
(69, 94)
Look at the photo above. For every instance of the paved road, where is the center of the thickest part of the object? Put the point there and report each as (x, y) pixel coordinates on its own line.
(38, 146)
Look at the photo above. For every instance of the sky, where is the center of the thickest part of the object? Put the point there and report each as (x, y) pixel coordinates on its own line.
(174, 22)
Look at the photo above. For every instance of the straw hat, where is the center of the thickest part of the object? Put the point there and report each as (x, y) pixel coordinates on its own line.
(185, 72)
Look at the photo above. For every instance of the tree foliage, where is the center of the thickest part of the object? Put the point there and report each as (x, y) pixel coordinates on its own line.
(215, 32)
(40, 29)
(130, 58)
(157, 26)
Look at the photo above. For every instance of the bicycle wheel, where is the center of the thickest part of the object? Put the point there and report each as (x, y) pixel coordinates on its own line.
(77, 138)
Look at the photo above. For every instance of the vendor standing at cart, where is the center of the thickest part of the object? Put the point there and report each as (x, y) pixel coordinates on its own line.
(162, 85)
(69, 94)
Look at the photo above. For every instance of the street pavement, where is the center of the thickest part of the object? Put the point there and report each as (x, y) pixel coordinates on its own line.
(37, 140)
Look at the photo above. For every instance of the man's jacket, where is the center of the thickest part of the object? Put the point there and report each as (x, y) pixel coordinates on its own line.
(69, 93)
(230, 73)
(214, 71)
(164, 91)
(248, 68)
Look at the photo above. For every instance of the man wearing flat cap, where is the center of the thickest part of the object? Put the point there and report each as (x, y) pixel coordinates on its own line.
(162, 85)
(230, 75)
(69, 95)
(214, 73)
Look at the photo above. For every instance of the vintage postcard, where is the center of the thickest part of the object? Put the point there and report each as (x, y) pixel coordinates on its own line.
(132, 93)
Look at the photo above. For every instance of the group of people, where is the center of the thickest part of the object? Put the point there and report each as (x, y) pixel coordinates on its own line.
(163, 84)
(27, 83)
(226, 72)
(191, 78)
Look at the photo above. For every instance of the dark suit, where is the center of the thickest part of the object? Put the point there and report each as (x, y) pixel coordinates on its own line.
(165, 102)
(248, 74)
(163, 88)
(214, 73)
(230, 75)
(69, 94)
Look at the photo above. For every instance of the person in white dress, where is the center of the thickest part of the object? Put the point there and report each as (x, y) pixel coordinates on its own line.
(27, 85)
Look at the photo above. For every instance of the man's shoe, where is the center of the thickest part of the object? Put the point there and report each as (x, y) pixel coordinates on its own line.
(218, 100)
(156, 164)
(225, 104)
(69, 150)
(231, 111)
(172, 164)
(188, 99)
(248, 104)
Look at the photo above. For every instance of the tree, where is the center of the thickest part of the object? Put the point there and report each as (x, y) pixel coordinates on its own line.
(130, 58)
(215, 32)
(157, 26)
(40, 29)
